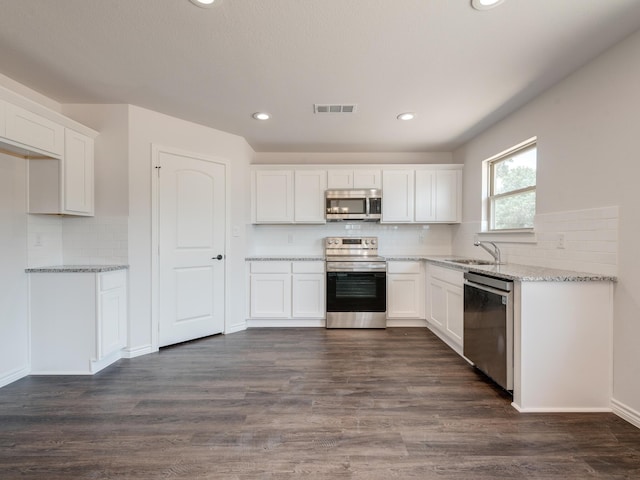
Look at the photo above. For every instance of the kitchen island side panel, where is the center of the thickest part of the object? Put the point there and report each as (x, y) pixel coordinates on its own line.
(563, 355)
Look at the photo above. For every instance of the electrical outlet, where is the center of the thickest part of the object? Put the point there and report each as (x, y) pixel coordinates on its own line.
(38, 240)
(560, 241)
(290, 238)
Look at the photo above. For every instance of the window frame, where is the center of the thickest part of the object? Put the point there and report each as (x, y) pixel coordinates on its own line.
(492, 197)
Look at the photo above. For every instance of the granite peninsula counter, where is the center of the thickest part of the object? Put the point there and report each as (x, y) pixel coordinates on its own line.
(77, 269)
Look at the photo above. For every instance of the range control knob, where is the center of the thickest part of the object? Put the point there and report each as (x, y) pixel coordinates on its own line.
(373, 241)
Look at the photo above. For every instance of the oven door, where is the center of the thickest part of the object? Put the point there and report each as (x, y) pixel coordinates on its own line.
(356, 292)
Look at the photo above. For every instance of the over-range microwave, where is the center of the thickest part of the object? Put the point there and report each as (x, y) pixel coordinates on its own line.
(351, 204)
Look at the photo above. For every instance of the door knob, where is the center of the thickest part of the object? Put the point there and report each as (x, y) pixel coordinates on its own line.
(219, 257)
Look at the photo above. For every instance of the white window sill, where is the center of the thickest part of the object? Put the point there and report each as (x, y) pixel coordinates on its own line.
(508, 236)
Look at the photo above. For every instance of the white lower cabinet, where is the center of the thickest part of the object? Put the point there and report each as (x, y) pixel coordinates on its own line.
(78, 321)
(445, 304)
(287, 291)
(405, 289)
(270, 289)
(308, 290)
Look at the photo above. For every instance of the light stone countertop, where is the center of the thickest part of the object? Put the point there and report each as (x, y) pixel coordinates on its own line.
(77, 269)
(286, 258)
(508, 271)
(511, 271)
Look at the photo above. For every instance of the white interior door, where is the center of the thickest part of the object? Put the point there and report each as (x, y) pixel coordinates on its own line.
(191, 227)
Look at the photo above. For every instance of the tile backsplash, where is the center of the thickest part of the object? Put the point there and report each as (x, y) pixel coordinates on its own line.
(580, 240)
(55, 240)
(44, 239)
(308, 239)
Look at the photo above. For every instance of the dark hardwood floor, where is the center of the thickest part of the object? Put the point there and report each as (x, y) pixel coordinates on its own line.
(299, 403)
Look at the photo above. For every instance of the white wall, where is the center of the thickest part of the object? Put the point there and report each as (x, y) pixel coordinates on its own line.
(147, 128)
(269, 240)
(368, 158)
(587, 128)
(14, 336)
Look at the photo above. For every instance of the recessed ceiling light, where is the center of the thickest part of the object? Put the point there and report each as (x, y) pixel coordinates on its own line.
(406, 116)
(261, 116)
(205, 3)
(485, 4)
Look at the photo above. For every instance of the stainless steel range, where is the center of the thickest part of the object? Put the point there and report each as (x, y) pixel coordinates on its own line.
(356, 283)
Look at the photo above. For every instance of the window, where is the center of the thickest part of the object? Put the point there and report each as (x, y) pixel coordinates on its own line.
(512, 188)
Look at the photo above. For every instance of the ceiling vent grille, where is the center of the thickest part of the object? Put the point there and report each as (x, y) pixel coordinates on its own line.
(334, 108)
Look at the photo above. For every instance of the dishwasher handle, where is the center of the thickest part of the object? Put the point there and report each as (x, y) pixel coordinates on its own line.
(485, 288)
(488, 281)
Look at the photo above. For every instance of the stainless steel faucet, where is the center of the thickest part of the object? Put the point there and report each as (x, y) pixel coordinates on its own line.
(495, 253)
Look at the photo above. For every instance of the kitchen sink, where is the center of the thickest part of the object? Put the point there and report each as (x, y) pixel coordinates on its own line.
(470, 261)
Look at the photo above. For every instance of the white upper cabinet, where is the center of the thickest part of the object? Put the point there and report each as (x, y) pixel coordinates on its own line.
(309, 189)
(273, 196)
(340, 179)
(34, 131)
(410, 194)
(398, 196)
(354, 178)
(422, 195)
(59, 152)
(438, 196)
(64, 186)
(78, 174)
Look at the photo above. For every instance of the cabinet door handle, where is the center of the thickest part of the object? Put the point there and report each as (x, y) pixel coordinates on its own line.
(219, 257)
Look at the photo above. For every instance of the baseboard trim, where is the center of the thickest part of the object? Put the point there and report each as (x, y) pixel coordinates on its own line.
(561, 409)
(236, 328)
(406, 322)
(446, 340)
(137, 351)
(625, 412)
(13, 376)
(97, 365)
(279, 323)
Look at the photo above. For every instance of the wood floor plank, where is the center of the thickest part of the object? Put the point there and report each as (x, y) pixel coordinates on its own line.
(299, 403)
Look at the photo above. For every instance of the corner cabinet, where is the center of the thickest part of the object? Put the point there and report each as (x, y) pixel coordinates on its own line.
(78, 321)
(72, 193)
(286, 293)
(59, 152)
(33, 131)
(445, 304)
(438, 195)
(429, 194)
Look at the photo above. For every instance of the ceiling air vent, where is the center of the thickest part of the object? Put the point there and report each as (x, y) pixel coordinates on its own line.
(333, 108)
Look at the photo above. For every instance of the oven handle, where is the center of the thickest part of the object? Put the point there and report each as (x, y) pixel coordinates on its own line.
(362, 267)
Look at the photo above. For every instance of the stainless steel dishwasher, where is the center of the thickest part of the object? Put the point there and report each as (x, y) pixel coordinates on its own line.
(488, 326)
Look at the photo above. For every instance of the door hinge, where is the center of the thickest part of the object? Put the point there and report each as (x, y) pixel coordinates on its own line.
(158, 167)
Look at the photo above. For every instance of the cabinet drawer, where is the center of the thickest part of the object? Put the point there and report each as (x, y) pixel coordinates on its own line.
(449, 275)
(271, 267)
(404, 267)
(34, 131)
(308, 267)
(112, 280)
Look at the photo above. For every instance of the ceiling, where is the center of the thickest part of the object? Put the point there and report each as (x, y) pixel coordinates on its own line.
(460, 70)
